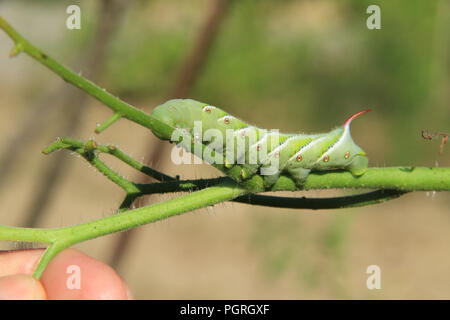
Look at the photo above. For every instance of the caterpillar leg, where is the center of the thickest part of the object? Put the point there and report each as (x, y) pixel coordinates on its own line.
(270, 180)
(299, 174)
(359, 165)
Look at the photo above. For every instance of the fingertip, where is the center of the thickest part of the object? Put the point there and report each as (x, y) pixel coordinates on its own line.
(129, 294)
(75, 275)
(21, 287)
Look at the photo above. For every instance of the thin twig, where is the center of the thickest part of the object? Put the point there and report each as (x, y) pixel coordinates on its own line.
(430, 136)
(115, 104)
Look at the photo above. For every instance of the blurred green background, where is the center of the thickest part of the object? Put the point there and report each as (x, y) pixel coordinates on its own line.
(296, 65)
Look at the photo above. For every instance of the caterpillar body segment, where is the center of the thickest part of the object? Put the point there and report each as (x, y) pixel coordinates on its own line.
(248, 152)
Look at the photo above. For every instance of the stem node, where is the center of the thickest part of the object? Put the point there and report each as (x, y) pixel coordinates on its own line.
(15, 50)
(108, 122)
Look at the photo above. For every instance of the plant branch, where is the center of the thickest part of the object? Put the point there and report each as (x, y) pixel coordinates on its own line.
(61, 238)
(118, 106)
(398, 178)
(90, 149)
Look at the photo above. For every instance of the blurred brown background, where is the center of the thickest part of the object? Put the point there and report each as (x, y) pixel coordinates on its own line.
(296, 65)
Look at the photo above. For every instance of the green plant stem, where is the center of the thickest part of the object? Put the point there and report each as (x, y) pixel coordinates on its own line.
(120, 108)
(119, 154)
(398, 178)
(61, 238)
(174, 185)
(108, 122)
(402, 179)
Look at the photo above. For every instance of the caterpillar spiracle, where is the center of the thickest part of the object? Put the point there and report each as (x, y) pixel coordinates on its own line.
(249, 152)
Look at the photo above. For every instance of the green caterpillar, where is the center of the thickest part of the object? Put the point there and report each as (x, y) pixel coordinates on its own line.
(249, 152)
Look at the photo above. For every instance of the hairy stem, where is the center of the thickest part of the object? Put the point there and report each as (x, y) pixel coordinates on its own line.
(118, 106)
(398, 178)
(90, 150)
(61, 238)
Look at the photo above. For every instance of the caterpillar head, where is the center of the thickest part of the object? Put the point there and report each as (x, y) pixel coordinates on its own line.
(175, 113)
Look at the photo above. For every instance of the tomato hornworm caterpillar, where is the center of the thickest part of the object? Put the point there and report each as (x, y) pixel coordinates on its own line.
(248, 152)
